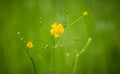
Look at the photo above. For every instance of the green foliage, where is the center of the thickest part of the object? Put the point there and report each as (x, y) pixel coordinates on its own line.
(33, 19)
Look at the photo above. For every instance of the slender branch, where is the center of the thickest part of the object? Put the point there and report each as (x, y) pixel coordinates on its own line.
(79, 53)
(75, 64)
(86, 45)
(74, 22)
(28, 52)
(77, 20)
(67, 19)
(51, 67)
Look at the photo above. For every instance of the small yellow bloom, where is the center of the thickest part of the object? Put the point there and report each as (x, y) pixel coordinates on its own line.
(85, 13)
(56, 30)
(29, 45)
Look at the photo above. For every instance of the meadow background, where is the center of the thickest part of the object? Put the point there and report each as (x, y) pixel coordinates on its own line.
(102, 24)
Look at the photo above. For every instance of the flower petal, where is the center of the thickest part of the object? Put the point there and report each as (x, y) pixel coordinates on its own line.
(56, 35)
(54, 25)
(60, 26)
(52, 31)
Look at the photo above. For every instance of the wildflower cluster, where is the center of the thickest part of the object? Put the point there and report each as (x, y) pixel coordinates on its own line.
(56, 30)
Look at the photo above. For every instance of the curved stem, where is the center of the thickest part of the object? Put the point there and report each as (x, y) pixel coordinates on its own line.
(28, 52)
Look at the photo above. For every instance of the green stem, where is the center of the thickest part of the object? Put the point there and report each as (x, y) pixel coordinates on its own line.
(51, 67)
(28, 52)
(77, 20)
(85, 46)
(75, 64)
(79, 53)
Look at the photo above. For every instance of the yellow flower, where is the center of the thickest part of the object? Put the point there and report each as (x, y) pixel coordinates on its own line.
(29, 45)
(85, 13)
(56, 30)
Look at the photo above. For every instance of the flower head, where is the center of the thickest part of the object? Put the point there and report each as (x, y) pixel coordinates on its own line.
(85, 13)
(56, 30)
(29, 45)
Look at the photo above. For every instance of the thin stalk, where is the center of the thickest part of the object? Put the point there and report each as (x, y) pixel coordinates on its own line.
(85, 46)
(79, 53)
(75, 64)
(77, 20)
(74, 22)
(67, 19)
(28, 52)
(51, 67)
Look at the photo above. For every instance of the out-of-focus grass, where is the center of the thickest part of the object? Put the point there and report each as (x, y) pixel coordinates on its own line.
(102, 25)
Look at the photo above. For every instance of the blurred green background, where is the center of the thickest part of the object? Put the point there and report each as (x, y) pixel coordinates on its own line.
(102, 25)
